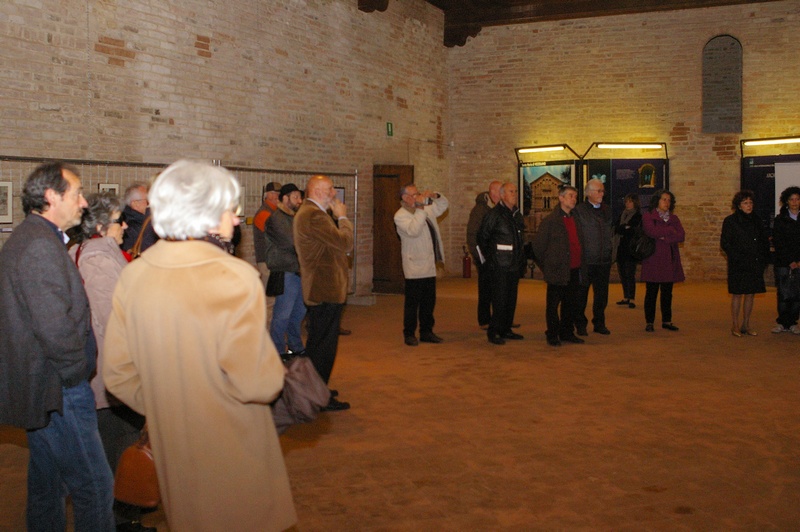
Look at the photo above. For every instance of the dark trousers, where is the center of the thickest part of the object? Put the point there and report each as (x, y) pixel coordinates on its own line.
(504, 300)
(120, 427)
(323, 336)
(650, 302)
(568, 298)
(598, 279)
(419, 303)
(788, 311)
(627, 276)
(484, 294)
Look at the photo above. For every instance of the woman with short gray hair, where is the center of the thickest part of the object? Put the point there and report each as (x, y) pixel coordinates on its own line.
(187, 347)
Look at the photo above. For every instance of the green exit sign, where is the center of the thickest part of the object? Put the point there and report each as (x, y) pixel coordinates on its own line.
(389, 129)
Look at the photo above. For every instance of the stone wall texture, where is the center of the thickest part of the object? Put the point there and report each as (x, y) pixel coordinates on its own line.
(300, 86)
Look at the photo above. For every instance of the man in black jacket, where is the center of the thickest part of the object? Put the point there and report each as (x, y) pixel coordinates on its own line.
(595, 220)
(484, 202)
(500, 241)
(47, 354)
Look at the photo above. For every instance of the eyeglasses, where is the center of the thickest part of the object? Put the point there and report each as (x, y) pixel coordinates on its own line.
(117, 220)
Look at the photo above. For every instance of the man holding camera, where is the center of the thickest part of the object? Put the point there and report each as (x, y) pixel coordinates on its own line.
(421, 249)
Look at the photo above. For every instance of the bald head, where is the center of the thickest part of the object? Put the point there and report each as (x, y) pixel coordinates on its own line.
(320, 189)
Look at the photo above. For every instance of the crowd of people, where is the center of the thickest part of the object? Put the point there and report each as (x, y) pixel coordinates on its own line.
(98, 337)
(576, 244)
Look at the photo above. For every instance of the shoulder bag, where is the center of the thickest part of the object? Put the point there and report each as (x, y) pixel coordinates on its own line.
(135, 481)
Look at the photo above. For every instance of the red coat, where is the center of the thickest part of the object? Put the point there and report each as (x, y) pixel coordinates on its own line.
(663, 266)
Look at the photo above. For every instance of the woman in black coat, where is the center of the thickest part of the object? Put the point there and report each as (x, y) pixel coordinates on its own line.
(786, 239)
(629, 220)
(745, 242)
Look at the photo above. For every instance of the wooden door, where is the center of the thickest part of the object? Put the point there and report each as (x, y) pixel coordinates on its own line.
(387, 265)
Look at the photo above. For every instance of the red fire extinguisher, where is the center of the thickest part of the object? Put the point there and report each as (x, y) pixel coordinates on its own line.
(466, 264)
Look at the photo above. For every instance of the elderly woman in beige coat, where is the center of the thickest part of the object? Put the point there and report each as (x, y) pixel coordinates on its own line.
(186, 346)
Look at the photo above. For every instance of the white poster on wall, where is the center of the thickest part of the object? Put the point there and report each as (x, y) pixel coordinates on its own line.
(786, 175)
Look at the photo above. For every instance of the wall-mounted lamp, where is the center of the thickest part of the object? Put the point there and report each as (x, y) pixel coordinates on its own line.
(628, 146)
(543, 149)
(767, 142)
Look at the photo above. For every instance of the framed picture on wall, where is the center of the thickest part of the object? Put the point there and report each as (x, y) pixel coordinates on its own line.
(6, 210)
(108, 187)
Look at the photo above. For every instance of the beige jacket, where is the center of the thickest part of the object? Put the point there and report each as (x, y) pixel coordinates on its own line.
(186, 346)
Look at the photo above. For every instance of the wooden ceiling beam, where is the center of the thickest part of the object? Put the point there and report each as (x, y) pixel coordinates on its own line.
(466, 18)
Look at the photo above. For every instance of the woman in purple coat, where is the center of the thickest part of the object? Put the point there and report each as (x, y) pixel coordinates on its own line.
(663, 268)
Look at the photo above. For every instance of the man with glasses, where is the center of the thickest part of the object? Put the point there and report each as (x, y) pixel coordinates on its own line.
(135, 213)
(47, 355)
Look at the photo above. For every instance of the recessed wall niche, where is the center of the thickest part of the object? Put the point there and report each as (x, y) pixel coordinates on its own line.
(722, 85)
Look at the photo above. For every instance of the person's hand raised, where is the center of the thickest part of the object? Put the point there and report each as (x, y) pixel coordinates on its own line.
(338, 208)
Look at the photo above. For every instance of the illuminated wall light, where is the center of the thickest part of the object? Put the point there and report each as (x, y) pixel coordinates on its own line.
(541, 149)
(768, 142)
(630, 146)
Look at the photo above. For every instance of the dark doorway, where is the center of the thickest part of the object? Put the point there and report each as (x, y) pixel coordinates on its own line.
(387, 265)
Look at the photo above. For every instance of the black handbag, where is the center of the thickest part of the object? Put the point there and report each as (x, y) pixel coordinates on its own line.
(275, 284)
(641, 245)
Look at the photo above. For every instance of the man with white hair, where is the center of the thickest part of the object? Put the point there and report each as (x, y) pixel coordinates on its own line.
(595, 220)
(135, 213)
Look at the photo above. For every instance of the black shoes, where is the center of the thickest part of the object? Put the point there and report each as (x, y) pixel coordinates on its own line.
(572, 339)
(624, 302)
(602, 329)
(335, 405)
(334, 393)
(496, 340)
(582, 331)
(430, 338)
(135, 526)
(511, 336)
(555, 342)
(669, 326)
(649, 328)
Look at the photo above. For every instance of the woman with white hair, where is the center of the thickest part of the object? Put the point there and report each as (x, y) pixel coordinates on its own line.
(186, 346)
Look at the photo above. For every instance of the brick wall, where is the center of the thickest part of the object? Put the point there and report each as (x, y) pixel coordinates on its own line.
(624, 78)
(298, 86)
(310, 85)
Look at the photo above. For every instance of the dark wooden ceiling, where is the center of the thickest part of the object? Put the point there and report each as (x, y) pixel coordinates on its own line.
(466, 18)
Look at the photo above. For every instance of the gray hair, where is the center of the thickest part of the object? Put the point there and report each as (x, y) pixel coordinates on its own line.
(101, 206)
(592, 185)
(133, 193)
(563, 189)
(189, 198)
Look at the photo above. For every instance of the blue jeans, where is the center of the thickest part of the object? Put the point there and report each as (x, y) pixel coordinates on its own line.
(66, 457)
(287, 315)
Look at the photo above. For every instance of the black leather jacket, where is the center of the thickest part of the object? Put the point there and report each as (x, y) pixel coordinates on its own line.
(500, 239)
